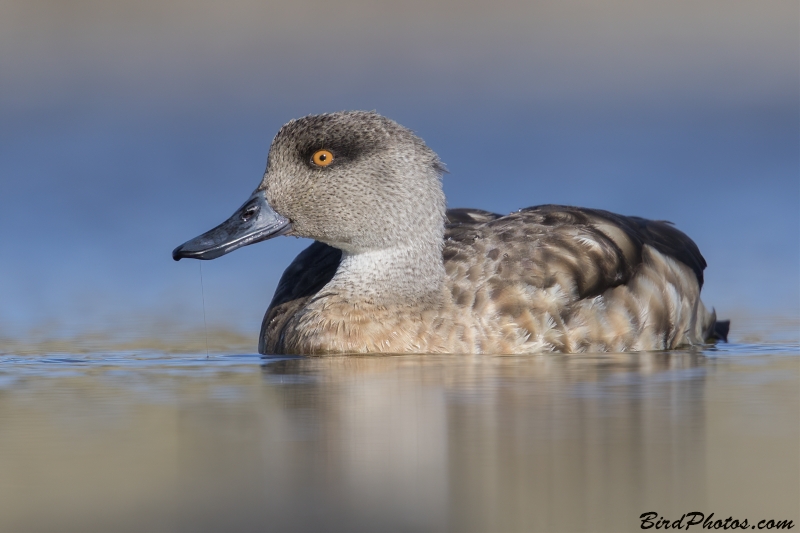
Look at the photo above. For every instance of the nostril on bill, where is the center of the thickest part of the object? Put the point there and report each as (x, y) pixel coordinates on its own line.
(249, 212)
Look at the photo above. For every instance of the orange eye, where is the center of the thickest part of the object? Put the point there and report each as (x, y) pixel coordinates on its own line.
(322, 158)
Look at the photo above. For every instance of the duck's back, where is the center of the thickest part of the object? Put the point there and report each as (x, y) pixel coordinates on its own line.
(546, 278)
(567, 279)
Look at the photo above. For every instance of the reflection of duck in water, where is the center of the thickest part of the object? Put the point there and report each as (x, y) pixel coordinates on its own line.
(392, 271)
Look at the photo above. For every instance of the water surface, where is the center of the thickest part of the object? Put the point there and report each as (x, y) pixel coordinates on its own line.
(132, 441)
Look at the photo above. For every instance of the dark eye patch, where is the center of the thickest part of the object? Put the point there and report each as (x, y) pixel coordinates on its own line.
(344, 149)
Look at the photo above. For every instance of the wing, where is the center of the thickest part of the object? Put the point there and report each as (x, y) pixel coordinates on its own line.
(585, 251)
(311, 270)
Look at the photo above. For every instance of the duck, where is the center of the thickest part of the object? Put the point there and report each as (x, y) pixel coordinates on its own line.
(391, 270)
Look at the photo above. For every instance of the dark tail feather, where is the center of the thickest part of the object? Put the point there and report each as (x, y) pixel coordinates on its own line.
(720, 331)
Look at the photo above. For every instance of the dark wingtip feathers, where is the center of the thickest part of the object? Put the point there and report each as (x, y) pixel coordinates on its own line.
(720, 331)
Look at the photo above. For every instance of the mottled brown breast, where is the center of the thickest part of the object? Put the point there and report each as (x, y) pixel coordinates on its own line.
(310, 271)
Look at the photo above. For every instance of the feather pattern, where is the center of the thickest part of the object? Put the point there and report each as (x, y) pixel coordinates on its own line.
(544, 279)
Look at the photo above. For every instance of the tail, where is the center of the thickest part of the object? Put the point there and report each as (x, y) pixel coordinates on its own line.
(717, 330)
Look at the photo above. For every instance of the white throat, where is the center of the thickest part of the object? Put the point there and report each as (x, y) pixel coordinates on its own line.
(408, 274)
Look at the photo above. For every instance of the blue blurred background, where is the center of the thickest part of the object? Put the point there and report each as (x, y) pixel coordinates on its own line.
(128, 127)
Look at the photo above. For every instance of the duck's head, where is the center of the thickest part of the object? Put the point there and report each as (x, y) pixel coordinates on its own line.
(354, 180)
